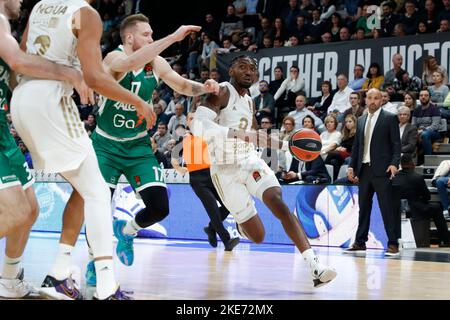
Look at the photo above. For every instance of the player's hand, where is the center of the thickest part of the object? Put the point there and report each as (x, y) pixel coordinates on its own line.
(183, 31)
(145, 110)
(86, 94)
(211, 86)
(182, 170)
(393, 171)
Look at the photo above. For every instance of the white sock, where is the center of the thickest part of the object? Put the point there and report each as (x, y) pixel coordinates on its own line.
(61, 267)
(106, 283)
(11, 267)
(131, 228)
(91, 254)
(310, 257)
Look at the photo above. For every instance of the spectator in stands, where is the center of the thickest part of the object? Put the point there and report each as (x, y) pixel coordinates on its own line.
(430, 65)
(268, 42)
(231, 23)
(161, 137)
(288, 128)
(327, 8)
(321, 104)
(386, 104)
(177, 118)
(240, 8)
(227, 47)
(351, 7)
(288, 91)
(194, 47)
(306, 9)
(358, 78)
(412, 187)
(204, 75)
(410, 18)
(389, 18)
(341, 99)
(178, 98)
(327, 37)
(90, 124)
(157, 99)
(335, 26)
(397, 61)
(444, 26)
(362, 20)
(342, 154)
(438, 92)
(167, 154)
(264, 103)
(266, 30)
(278, 43)
(160, 117)
(247, 44)
(275, 84)
(399, 30)
(422, 28)
(408, 132)
(359, 34)
(293, 41)
(374, 79)
(427, 119)
(211, 26)
(316, 28)
(356, 109)
(344, 34)
(403, 82)
(275, 159)
(441, 181)
(26, 153)
(208, 48)
(290, 14)
(301, 30)
(331, 138)
(301, 111)
(410, 100)
(279, 29)
(429, 16)
(445, 11)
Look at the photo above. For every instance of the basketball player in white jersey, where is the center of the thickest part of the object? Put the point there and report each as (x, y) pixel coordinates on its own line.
(68, 32)
(18, 204)
(236, 170)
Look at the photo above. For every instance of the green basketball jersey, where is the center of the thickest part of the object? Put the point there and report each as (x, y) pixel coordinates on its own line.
(120, 121)
(4, 88)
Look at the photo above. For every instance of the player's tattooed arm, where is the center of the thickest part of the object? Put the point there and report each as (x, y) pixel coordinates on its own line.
(182, 85)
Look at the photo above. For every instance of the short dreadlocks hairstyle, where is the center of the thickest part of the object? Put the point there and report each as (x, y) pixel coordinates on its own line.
(243, 56)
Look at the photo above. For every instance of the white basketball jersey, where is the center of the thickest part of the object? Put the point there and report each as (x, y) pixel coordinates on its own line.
(238, 114)
(50, 32)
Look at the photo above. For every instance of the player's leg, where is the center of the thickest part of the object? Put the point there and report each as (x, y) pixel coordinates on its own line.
(146, 178)
(88, 181)
(263, 184)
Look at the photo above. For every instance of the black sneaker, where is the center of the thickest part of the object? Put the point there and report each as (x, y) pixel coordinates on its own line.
(212, 238)
(231, 244)
(65, 289)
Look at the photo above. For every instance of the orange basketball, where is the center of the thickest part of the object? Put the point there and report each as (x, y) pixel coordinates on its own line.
(305, 145)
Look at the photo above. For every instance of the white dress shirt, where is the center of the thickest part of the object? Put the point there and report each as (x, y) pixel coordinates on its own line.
(341, 100)
(390, 107)
(366, 157)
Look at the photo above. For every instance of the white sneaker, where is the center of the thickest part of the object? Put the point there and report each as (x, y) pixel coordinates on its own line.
(446, 214)
(15, 288)
(322, 274)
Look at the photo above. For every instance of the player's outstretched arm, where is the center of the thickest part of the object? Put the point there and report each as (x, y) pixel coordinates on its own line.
(33, 65)
(184, 86)
(96, 77)
(119, 62)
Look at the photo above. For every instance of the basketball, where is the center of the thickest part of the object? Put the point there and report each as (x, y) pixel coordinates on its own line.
(305, 145)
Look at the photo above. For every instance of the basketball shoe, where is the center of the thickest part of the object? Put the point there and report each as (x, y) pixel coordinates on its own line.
(91, 276)
(15, 288)
(66, 289)
(124, 249)
(321, 274)
(118, 295)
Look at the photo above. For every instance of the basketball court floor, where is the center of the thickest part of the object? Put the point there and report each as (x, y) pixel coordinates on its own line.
(192, 270)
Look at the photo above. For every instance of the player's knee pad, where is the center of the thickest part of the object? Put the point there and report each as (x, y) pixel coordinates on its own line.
(156, 206)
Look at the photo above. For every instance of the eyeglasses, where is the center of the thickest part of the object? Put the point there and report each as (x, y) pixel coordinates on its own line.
(265, 122)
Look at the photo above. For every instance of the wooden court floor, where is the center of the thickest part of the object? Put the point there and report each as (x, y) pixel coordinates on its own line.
(192, 270)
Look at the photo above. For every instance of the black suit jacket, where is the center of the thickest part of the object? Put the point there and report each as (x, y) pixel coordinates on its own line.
(411, 186)
(409, 140)
(385, 147)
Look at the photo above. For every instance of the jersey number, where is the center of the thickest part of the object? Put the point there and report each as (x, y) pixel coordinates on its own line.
(135, 87)
(159, 177)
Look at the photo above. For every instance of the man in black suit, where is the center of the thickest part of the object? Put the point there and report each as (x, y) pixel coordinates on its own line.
(408, 132)
(376, 157)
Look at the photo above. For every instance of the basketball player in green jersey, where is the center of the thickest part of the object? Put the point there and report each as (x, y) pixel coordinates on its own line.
(18, 205)
(121, 141)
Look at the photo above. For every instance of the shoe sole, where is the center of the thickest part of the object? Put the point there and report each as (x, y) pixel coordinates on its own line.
(52, 294)
(358, 252)
(325, 278)
(392, 255)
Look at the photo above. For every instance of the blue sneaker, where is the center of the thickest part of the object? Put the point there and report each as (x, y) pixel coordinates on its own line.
(91, 276)
(124, 248)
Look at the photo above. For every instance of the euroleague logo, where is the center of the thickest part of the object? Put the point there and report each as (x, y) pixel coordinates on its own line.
(312, 145)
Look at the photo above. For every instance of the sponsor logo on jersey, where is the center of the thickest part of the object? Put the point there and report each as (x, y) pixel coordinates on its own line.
(51, 9)
(137, 179)
(256, 176)
(124, 107)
